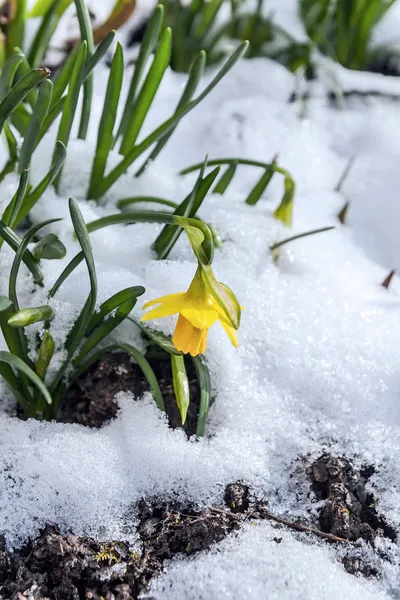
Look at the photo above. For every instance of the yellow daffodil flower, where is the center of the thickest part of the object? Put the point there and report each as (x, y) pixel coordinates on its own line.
(198, 311)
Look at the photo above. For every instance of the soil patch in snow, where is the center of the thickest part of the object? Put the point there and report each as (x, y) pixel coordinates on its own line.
(91, 401)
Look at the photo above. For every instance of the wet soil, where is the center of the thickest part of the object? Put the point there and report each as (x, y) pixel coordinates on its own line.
(91, 400)
(67, 567)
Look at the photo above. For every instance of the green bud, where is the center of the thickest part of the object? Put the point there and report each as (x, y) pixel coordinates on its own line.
(284, 212)
(28, 316)
(181, 385)
(46, 352)
(49, 247)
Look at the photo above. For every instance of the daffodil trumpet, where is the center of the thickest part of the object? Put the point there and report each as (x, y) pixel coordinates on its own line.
(203, 304)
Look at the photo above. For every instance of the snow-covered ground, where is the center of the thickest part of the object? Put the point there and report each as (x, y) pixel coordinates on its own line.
(317, 365)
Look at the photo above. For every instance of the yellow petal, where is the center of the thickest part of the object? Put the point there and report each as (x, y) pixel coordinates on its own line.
(232, 334)
(164, 310)
(189, 339)
(201, 318)
(170, 298)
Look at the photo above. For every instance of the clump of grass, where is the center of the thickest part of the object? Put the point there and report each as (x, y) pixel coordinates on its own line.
(212, 25)
(343, 29)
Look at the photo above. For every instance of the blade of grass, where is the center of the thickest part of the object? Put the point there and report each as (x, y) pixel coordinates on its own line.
(67, 119)
(87, 36)
(126, 295)
(107, 121)
(8, 73)
(17, 13)
(147, 46)
(14, 241)
(72, 265)
(23, 368)
(226, 179)
(13, 208)
(19, 91)
(137, 199)
(147, 93)
(37, 193)
(41, 41)
(298, 236)
(38, 116)
(195, 74)
(167, 125)
(204, 382)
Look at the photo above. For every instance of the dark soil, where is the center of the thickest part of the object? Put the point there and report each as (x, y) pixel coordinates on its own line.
(91, 400)
(67, 567)
(349, 510)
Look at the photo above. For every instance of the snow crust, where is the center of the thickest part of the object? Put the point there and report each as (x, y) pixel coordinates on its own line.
(317, 365)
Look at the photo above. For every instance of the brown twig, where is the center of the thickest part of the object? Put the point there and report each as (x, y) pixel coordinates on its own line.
(386, 282)
(114, 21)
(263, 514)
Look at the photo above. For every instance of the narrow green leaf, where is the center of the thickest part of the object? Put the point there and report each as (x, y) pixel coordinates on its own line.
(50, 247)
(24, 68)
(147, 46)
(163, 129)
(17, 363)
(152, 199)
(107, 121)
(105, 328)
(18, 258)
(28, 316)
(156, 336)
(126, 295)
(16, 24)
(19, 91)
(8, 73)
(187, 209)
(130, 218)
(64, 130)
(87, 36)
(75, 262)
(38, 115)
(14, 241)
(37, 193)
(226, 179)
(298, 236)
(138, 358)
(181, 385)
(11, 337)
(63, 77)
(204, 381)
(195, 74)
(11, 212)
(41, 41)
(148, 91)
(260, 186)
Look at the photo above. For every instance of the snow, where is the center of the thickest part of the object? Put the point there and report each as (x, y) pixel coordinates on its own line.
(260, 556)
(316, 367)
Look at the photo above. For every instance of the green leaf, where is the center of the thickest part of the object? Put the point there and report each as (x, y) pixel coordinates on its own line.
(195, 74)
(31, 199)
(11, 212)
(226, 179)
(222, 295)
(85, 27)
(298, 236)
(19, 254)
(166, 127)
(17, 363)
(126, 295)
(75, 262)
(139, 359)
(24, 68)
(156, 336)
(41, 41)
(8, 73)
(16, 25)
(181, 385)
(46, 353)
(148, 92)
(11, 337)
(152, 199)
(260, 186)
(107, 121)
(28, 316)
(50, 247)
(19, 91)
(147, 46)
(38, 115)
(67, 119)
(204, 381)
(14, 241)
(188, 208)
